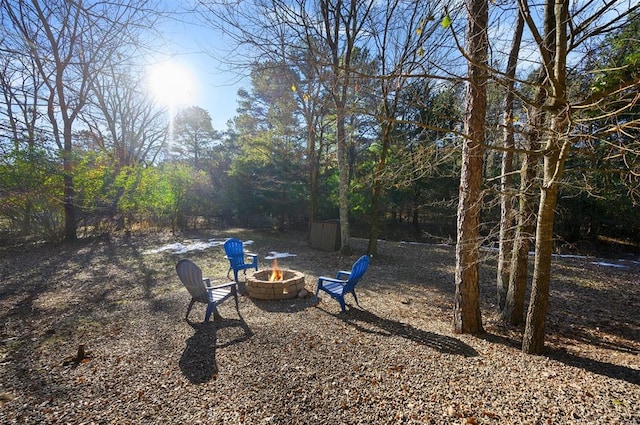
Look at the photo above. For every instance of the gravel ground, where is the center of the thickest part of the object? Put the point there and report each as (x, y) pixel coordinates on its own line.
(394, 360)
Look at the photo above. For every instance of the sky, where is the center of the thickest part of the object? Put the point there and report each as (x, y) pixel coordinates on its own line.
(189, 76)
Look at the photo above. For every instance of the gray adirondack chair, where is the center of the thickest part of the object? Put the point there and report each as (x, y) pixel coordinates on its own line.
(202, 291)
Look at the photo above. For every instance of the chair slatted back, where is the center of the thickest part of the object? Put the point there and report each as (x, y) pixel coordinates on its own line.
(357, 271)
(234, 251)
(191, 277)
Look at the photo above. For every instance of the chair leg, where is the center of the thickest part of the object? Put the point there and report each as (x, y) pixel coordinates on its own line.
(318, 286)
(186, 317)
(340, 299)
(355, 297)
(235, 295)
(211, 308)
(343, 306)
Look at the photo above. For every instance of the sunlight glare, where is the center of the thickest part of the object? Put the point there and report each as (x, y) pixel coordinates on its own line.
(171, 84)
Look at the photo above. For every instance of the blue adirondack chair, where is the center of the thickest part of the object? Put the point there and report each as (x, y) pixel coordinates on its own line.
(345, 282)
(201, 290)
(234, 251)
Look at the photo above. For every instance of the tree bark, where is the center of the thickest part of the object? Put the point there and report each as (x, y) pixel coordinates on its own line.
(513, 310)
(312, 165)
(343, 190)
(533, 340)
(372, 249)
(70, 225)
(556, 150)
(467, 317)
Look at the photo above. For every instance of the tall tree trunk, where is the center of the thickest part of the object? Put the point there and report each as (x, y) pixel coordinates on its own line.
(374, 229)
(466, 315)
(341, 26)
(555, 155)
(506, 180)
(377, 190)
(312, 166)
(343, 189)
(467, 318)
(533, 340)
(70, 227)
(513, 309)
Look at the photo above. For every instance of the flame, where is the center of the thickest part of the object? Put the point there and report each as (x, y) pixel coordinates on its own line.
(276, 273)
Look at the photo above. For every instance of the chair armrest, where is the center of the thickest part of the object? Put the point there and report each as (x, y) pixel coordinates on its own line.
(249, 254)
(330, 279)
(207, 283)
(223, 285)
(343, 273)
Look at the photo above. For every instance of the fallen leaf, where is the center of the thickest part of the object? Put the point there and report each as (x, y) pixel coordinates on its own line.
(5, 398)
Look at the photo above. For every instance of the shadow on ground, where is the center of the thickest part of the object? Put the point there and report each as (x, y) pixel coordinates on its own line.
(198, 360)
(611, 370)
(561, 355)
(293, 305)
(368, 322)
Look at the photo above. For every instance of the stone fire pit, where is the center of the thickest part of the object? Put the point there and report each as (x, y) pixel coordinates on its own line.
(259, 286)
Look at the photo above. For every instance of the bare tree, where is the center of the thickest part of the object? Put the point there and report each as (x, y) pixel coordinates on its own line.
(313, 104)
(20, 118)
(20, 85)
(567, 26)
(125, 122)
(341, 25)
(407, 36)
(69, 43)
(275, 30)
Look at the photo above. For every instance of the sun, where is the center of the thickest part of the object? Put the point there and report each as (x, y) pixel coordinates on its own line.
(171, 84)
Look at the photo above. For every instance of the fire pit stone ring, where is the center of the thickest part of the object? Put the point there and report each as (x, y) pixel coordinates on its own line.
(260, 287)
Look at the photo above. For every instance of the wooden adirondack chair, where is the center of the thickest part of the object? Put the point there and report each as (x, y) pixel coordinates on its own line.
(234, 250)
(201, 290)
(345, 282)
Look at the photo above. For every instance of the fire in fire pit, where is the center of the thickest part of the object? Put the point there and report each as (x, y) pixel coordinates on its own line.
(276, 273)
(275, 283)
